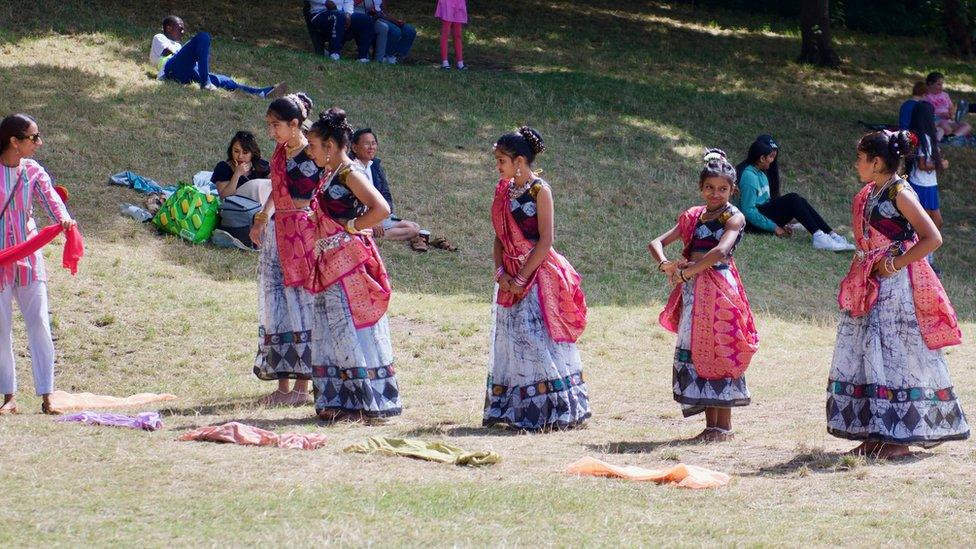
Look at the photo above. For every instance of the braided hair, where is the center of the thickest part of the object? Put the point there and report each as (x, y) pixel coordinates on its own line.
(526, 142)
(891, 147)
(716, 164)
(332, 124)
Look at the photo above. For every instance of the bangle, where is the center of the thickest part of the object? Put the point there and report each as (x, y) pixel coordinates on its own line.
(660, 266)
(261, 217)
(521, 280)
(351, 226)
(499, 273)
(681, 275)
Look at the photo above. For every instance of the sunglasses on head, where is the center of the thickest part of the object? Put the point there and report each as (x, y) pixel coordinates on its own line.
(33, 138)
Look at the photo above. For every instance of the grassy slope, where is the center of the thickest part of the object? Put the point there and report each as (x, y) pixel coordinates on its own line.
(625, 120)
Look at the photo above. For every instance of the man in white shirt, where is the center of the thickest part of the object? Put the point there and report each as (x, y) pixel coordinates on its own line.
(338, 20)
(190, 62)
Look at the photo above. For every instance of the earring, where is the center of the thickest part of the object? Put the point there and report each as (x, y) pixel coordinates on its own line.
(518, 172)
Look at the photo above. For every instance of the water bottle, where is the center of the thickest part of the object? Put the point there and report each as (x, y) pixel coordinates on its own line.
(135, 212)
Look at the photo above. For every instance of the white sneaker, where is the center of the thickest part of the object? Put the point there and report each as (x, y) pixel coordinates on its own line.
(391, 60)
(364, 60)
(845, 246)
(334, 56)
(210, 86)
(822, 241)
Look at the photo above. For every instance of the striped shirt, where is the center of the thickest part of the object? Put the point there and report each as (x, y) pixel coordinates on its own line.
(17, 223)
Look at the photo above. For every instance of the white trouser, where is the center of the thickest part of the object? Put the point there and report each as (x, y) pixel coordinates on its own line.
(32, 300)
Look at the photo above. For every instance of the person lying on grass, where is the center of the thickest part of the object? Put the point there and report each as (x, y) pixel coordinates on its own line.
(190, 62)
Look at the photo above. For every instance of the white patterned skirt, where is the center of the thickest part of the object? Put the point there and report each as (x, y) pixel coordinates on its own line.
(284, 320)
(352, 369)
(534, 383)
(692, 392)
(885, 384)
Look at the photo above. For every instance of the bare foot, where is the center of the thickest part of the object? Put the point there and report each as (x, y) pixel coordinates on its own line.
(9, 407)
(892, 451)
(296, 398)
(866, 448)
(47, 409)
(277, 398)
(331, 415)
(701, 436)
(718, 435)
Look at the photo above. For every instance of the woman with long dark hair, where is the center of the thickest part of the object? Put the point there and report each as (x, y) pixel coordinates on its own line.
(766, 211)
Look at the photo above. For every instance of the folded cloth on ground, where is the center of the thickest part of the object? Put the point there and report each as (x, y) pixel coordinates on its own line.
(67, 402)
(240, 433)
(430, 451)
(681, 475)
(74, 247)
(139, 183)
(147, 421)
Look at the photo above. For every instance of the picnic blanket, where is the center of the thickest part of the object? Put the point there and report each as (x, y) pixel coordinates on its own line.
(681, 475)
(430, 451)
(247, 435)
(147, 421)
(63, 402)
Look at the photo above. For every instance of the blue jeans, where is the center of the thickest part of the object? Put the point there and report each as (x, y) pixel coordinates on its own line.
(392, 41)
(192, 64)
(332, 23)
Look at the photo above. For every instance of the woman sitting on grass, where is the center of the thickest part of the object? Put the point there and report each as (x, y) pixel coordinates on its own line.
(709, 361)
(889, 383)
(23, 180)
(536, 376)
(243, 164)
(766, 211)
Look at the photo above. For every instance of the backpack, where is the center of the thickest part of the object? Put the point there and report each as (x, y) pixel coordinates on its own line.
(237, 215)
(188, 213)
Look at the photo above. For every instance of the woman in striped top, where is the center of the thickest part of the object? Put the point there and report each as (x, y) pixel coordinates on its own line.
(23, 180)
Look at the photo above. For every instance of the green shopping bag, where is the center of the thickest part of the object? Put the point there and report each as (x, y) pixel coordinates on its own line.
(189, 214)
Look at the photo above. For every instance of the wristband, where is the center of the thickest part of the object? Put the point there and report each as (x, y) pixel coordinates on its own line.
(660, 266)
(351, 226)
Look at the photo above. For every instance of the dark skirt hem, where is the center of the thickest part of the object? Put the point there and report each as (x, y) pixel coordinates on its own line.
(554, 426)
(365, 413)
(924, 442)
(283, 375)
(699, 405)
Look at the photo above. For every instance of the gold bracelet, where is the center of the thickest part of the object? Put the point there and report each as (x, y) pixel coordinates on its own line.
(660, 266)
(261, 217)
(351, 226)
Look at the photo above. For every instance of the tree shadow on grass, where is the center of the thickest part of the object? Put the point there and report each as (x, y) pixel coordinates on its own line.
(215, 408)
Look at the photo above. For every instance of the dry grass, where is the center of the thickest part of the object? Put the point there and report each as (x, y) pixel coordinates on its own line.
(625, 120)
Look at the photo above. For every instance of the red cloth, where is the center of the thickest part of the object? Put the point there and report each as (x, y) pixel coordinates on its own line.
(247, 435)
(74, 247)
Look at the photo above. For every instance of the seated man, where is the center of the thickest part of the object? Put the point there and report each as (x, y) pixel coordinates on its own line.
(338, 20)
(394, 37)
(908, 107)
(190, 62)
(364, 145)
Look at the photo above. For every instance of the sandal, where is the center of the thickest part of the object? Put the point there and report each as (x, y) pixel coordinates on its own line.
(418, 244)
(331, 414)
(443, 244)
(47, 409)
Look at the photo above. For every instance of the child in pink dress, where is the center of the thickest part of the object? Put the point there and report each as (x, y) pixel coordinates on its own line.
(453, 14)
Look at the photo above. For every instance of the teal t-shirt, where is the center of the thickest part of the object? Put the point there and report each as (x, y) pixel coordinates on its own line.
(753, 192)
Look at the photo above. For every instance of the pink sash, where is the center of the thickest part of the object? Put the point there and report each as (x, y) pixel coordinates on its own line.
(294, 231)
(560, 295)
(355, 261)
(723, 332)
(859, 289)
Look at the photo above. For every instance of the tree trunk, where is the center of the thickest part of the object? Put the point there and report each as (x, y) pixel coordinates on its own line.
(817, 47)
(957, 27)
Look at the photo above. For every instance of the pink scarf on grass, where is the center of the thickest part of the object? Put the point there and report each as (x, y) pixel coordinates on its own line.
(859, 289)
(557, 283)
(723, 332)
